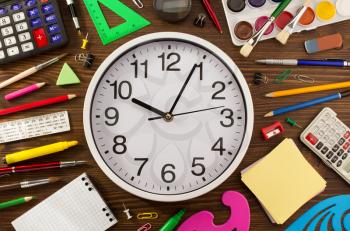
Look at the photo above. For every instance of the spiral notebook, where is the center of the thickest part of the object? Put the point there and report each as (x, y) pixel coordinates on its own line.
(78, 206)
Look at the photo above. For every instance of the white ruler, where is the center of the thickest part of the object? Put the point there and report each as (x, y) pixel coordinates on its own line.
(34, 127)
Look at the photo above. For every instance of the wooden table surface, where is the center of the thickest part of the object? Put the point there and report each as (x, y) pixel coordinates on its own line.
(258, 148)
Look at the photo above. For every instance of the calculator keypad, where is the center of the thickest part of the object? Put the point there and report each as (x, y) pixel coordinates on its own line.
(329, 138)
(29, 27)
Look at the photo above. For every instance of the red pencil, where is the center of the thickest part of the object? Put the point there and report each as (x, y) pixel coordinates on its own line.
(41, 103)
(212, 14)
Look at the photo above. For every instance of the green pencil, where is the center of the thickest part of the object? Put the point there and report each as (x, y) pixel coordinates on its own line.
(173, 221)
(15, 202)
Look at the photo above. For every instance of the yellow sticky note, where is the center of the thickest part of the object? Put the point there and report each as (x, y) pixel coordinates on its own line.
(283, 181)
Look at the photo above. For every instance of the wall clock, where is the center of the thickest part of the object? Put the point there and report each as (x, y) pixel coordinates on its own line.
(168, 116)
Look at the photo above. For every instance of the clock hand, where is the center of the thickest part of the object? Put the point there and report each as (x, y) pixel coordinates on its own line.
(191, 112)
(183, 88)
(148, 107)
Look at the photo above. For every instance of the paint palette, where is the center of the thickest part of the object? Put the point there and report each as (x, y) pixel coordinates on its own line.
(245, 17)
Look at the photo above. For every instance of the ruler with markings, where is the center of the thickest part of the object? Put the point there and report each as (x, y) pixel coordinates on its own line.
(34, 127)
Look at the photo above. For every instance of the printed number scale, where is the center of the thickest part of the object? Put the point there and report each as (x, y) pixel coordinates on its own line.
(28, 28)
(34, 127)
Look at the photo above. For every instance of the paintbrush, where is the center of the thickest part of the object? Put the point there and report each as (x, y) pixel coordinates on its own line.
(248, 47)
(29, 184)
(283, 36)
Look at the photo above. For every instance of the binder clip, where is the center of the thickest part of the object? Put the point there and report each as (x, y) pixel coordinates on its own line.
(260, 78)
(145, 227)
(85, 59)
(147, 216)
(200, 20)
(272, 130)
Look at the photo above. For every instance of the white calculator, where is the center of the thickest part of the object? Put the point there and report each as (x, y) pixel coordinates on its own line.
(329, 138)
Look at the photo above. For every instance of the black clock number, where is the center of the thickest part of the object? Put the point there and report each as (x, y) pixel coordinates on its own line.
(199, 166)
(221, 86)
(218, 146)
(228, 116)
(123, 90)
(175, 57)
(136, 68)
(112, 114)
(168, 176)
(144, 161)
(119, 146)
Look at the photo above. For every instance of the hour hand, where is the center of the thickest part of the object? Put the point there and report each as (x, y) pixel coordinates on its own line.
(148, 107)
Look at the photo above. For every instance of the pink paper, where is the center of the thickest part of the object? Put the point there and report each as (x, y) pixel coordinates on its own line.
(239, 219)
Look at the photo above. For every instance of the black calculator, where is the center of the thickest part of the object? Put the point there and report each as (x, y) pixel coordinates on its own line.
(29, 27)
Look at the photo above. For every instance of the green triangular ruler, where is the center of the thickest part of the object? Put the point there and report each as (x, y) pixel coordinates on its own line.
(133, 21)
(67, 76)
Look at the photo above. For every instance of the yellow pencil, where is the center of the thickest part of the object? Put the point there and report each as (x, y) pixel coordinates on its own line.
(38, 152)
(304, 90)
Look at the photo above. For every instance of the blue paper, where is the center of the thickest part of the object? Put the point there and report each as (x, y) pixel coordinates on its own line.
(332, 213)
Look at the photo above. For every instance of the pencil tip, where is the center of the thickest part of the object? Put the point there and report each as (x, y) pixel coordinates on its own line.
(269, 114)
(54, 179)
(269, 95)
(29, 198)
(71, 96)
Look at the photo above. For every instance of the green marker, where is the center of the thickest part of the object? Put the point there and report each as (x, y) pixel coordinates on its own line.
(292, 122)
(173, 221)
(15, 202)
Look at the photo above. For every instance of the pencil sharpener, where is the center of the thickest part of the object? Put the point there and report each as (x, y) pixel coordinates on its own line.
(272, 130)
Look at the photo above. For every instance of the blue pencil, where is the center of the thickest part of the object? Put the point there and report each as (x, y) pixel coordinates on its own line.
(307, 104)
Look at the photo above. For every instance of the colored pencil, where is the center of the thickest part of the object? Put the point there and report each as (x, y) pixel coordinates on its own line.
(15, 202)
(304, 90)
(41, 103)
(31, 71)
(24, 91)
(29, 183)
(212, 15)
(307, 104)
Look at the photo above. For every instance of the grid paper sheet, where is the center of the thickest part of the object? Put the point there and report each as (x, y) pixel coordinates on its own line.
(78, 206)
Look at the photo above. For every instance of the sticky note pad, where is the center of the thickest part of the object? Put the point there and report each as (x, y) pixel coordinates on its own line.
(67, 76)
(283, 181)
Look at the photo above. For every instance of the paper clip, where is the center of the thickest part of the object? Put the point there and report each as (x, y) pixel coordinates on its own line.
(283, 76)
(145, 227)
(138, 3)
(304, 78)
(147, 216)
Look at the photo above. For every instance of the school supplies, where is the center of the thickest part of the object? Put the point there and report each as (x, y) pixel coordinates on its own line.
(34, 127)
(36, 104)
(329, 138)
(292, 123)
(239, 216)
(77, 206)
(307, 104)
(212, 14)
(273, 130)
(133, 21)
(260, 78)
(283, 181)
(334, 41)
(70, 4)
(30, 71)
(265, 26)
(138, 3)
(86, 60)
(245, 16)
(67, 76)
(38, 152)
(127, 212)
(329, 214)
(200, 20)
(147, 216)
(28, 28)
(29, 183)
(283, 36)
(172, 11)
(283, 76)
(24, 91)
(305, 62)
(15, 202)
(173, 221)
(41, 166)
(145, 227)
(85, 42)
(304, 90)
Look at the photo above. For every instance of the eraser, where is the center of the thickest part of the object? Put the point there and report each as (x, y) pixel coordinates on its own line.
(334, 41)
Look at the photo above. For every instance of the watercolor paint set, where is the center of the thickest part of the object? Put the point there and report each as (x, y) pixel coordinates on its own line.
(245, 17)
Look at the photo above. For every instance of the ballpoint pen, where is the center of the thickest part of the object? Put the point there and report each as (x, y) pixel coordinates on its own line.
(70, 4)
(305, 62)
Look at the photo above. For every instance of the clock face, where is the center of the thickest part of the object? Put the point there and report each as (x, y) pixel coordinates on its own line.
(168, 118)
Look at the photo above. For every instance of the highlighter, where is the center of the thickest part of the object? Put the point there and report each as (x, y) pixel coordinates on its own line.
(173, 221)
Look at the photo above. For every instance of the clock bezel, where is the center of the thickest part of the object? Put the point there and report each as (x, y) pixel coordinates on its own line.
(176, 36)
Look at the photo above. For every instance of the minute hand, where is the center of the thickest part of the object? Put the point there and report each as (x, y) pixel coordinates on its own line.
(190, 112)
(183, 88)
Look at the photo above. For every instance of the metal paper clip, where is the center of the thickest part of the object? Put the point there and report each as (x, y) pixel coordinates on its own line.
(304, 78)
(138, 3)
(147, 216)
(145, 227)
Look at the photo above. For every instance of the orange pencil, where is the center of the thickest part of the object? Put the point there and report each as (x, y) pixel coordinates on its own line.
(41, 103)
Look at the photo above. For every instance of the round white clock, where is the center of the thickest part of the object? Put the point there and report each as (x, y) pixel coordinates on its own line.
(168, 116)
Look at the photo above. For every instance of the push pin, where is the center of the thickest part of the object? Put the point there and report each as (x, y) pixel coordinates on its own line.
(272, 130)
(293, 123)
(260, 78)
(85, 59)
(127, 212)
(200, 20)
(85, 42)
